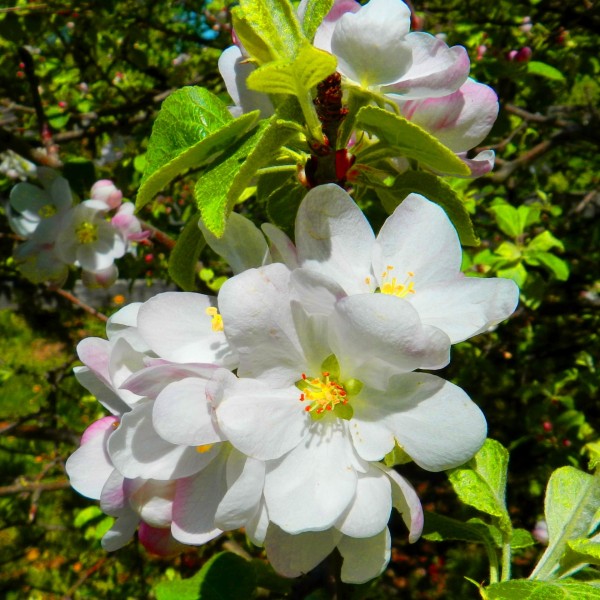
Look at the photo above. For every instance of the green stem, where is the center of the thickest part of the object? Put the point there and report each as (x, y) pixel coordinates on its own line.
(281, 169)
(494, 566)
(310, 114)
(506, 561)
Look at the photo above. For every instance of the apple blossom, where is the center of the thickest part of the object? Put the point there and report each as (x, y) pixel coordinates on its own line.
(105, 191)
(415, 259)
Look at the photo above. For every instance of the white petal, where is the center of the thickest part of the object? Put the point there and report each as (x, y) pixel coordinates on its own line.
(257, 525)
(245, 480)
(196, 501)
(114, 500)
(368, 330)
(364, 559)
(372, 439)
(182, 414)
(370, 510)
(327, 27)
(281, 247)
(481, 164)
(369, 44)
(177, 327)
(294, 555)
(258, 420)
(242, 245)
(465, 306)
(138, 451)
(315, 291)
(97, 387)
(124, 361)
(121, 532)
(256, 312)
(90, 466)
(323, 482)
(406, 502)
(436, 70)
(417, 238)
(334, 237)
(438, 425)
(153, 501)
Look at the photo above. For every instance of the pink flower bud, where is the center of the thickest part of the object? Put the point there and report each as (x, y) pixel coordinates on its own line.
(524, 54)
(512, 55)
(106, 191)
(481, 50)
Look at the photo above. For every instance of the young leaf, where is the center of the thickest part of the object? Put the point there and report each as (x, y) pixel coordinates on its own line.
(436, 190)
(545, 241)
(295, 76)
(535, 67)
(521, 589)
(193, 126)
(184, 257)
(225, 576)
(315, 12)
(220, 187)
(481, 482)
(438, 528)
(509, 219)
(269, 27)
(587, 551)
(572, 499)
(410, 140)
(557, 266)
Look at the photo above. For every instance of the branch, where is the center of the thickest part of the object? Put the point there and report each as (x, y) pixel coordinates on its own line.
(29, 487)
(88, 309)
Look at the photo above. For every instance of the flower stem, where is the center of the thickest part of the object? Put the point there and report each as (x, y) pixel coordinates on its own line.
(506, 561)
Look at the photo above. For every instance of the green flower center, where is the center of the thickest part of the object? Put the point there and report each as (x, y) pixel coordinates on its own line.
(87, 233)
(48, 210)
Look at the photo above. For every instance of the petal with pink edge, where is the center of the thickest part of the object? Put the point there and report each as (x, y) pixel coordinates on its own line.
(364, 558)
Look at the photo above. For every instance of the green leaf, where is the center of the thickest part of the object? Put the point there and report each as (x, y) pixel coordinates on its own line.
(521, 538)
(481, 482)
(295, 76)
(219, 188)
(557, 266)
(535, 67)
(572, 499)
(521, 589)
(315, 12)
(509, 219)
(438, 528)
(193, 126)
(587, 551)
(86, 515)
(410, 140)
(225, 576)
(283, 203)
(268, 29)
(436, 190)
(184, 257)
(545, 241)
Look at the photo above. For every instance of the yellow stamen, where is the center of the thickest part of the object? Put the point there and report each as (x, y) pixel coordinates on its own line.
(204, 448)
(87, 233)
(393, 287)
(322, 393)
(217, 320)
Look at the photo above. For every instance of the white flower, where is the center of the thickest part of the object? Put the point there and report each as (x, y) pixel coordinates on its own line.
(414, 259)
(376, 50)
(88, 240)
(323, 398)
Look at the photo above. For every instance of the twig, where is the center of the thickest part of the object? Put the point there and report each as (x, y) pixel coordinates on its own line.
(29, 487)
(160, 237)
(88, 309)
(82, 578)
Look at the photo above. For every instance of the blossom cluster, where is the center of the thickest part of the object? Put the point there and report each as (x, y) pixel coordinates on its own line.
(279, 405)
(417, 73)
(59, 233)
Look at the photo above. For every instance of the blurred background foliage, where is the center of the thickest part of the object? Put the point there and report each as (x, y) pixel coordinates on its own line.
(80, 86)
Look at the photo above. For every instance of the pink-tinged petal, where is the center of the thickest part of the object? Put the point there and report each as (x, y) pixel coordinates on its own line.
(158, 374)
(323, 482)
(465, 306)
(103, 279)
(138, 451)
(326, 28)
(370, 510)
(260, 421)
(106, 191)
(419, 242)
(481, 164)
(436, 69)
(369, 44)
(256, 314)
(437, 425)
(153, 501)
(97, 387)
(196, 501)
(94, 353)
(460, 120)
(245, 480)
(364, 559)
(294, 555)
(406, 502)
(371, 332)
(177, 327)
(159, 541)
(182, 414)
(90, 466)
(334, 237)
(124, 361)
(242, 245)
(121, 532)
(235, 69)
(114, 500)
(282, 249)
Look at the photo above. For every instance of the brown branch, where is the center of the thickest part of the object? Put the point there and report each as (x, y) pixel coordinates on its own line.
(158, 236)
(29, 487)
(9, 141)
(83, 577)
(71, 298)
